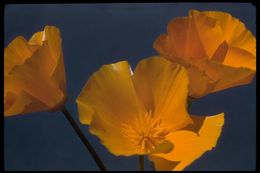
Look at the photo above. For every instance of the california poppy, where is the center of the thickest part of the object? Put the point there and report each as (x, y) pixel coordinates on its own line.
(216, 48)
(34, 75)
(145, 113)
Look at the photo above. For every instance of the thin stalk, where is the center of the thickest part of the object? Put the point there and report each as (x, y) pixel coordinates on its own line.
(141, 163)
(83, 139)
(189, 101)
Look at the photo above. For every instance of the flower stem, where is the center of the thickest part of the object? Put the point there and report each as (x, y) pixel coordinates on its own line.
(189, 101)
(83, 139)
(141, 163)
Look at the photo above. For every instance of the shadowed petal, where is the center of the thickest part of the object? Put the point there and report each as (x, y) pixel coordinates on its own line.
(230, 76)
(209, 33)
(190, 143)
(34, 73)
(16, 53)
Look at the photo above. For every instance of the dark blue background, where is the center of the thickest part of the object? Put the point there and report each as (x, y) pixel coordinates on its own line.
(97, 34)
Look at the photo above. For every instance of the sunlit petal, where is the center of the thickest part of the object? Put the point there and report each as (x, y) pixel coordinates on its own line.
(159, 83)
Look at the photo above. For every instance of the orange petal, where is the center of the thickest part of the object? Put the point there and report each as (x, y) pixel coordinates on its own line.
(164, 147)
(51, 34)
(22, 103)
(33, 77)
(109, 94)
(210, 76)
(210, 34)
(190, 145)
(183, 32)
(229, 76)
(59, 75)
(37, 38)
(200, 83)
(237, 57)
(235, 32)
(181, 42)
(34, 73)
(161, 164)
(16, 53)
(163, 88)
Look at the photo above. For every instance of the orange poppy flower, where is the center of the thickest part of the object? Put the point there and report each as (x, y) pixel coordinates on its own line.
(145, 113)
(216, 48)
(34, 75)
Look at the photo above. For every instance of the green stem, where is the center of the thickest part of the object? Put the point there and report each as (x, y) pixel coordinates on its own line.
(189, 101)
(141, 163)
(83, 139)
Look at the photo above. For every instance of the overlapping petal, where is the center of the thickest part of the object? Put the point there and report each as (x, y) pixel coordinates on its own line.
(212, 37)
(190, 143)
(132, 112)
(34, 73)
(144, 112)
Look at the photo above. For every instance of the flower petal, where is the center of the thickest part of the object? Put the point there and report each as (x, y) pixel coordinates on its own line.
(210, 76)
(16, 53)
(52, 35)
(235, 32)
(33, 78)
(190, 143)
(200, 83)
(210, 34)
(229, 76)
(164, 147)
(163, 88)
(237, 57)
(34, 73)
(183, 32)
(109, 94)
(22, 103)
(37, 38)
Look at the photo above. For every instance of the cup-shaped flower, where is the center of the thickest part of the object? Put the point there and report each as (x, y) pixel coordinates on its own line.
(145, 113)
(34, 74)
(216, 48)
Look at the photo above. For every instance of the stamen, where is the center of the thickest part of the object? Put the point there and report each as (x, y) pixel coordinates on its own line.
(145, 133)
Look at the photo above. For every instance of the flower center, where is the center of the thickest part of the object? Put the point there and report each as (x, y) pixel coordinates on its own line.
(145, 133)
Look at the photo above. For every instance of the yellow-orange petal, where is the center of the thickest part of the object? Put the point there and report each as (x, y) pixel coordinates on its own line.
(106, 102)
(237, 57)
(164, 147)
(33, 78)
(59, 74)
(21, 104)
(230, 76)
(34, 73)
(210, 76)
(235, 32)
(200, 83)
(163, 88)
(37, 38)
(209, 32)
(190, 143)
(16, 53)
(164, 45)
(51, 36)
(185, 39)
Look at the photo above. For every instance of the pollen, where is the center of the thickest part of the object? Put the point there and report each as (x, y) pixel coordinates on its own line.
(145, 133)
